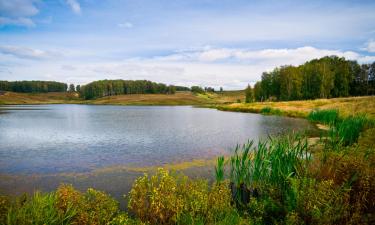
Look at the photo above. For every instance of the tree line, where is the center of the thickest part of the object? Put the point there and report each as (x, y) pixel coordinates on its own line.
(104, 88)
(327, 77)
(33, 86)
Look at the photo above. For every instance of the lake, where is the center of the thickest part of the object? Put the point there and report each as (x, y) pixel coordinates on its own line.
(79, 138)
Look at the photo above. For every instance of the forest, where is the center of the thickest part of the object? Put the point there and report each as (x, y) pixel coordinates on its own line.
(104, 88)
(33, 86)
(327, 77)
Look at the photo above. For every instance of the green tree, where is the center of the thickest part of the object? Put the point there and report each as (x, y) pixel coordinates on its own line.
(72, 88)
(197, 90)
(249, 94)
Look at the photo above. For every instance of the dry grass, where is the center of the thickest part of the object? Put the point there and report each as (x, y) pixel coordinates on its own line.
(346, 106)
(180, 98)
(12, 98)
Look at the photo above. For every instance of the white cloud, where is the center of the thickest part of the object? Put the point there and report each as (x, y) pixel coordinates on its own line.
(208, 66)
(371, 46)
(28, 53)
(17, 12)
(21, 21)
(74, 5)
(125, 25)
(293, 56)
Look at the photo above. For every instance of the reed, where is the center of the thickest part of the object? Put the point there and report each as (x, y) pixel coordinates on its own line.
(269, 164)
(219, 169)
(348, 130)
(328, 116)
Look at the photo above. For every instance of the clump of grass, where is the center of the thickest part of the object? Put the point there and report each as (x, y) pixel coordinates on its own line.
(266, 110)
(328, 116)
(219, 169)
(39, 209)
(348, 130)
(271, 111)
(271, 163)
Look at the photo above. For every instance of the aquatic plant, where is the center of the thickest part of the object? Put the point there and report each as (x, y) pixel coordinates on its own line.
(272, 163)
(219, 169)
(327, 116)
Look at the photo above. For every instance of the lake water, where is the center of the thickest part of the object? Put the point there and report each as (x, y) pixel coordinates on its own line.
(79, 138)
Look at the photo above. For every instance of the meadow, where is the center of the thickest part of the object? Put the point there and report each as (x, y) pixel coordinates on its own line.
(347, 106)
(179, 98)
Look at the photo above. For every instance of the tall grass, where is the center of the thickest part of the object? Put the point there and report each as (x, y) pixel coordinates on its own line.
(219, 169)
(328, 116)
(39, 209)
(271, 163)
(348, 130)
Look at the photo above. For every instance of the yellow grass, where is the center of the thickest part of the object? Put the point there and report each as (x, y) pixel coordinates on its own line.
(12, 98)
(180, 98)
(346, 106)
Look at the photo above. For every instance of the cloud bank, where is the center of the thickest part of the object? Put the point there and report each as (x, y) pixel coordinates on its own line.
(231, 68)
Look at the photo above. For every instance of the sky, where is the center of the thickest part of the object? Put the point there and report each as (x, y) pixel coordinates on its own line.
(217, 43)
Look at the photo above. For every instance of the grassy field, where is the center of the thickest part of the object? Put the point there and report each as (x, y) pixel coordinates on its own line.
(180, 98)
(346, 106)
(12, 98)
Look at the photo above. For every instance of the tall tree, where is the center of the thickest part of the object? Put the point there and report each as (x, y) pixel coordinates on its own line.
(72, 88)
(249, 94)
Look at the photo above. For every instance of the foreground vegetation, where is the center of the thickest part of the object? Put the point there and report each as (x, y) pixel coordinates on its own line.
(282, 180)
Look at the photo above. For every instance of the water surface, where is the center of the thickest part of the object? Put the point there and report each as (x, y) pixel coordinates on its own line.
(79, 138)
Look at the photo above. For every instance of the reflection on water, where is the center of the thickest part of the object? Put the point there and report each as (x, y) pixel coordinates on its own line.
(79, 138)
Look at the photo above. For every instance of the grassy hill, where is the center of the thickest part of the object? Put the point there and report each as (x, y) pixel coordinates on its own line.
(180, 98)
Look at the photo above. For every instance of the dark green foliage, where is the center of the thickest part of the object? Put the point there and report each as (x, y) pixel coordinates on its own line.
(328, 116)
(249, 94)
(181, 88)
(72, 88)
(209, 89)
(33, 86)
(104, 88)
(319, 78)
(197, 90)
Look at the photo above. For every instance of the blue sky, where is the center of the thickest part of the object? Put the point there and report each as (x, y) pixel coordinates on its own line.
(216, 43)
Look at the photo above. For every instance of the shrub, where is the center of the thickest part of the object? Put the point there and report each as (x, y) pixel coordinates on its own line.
(92, 207)
(168, 199)
(4, 206)
(315, 202)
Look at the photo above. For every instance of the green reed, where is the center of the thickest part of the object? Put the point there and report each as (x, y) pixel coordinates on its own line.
(327, 116)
